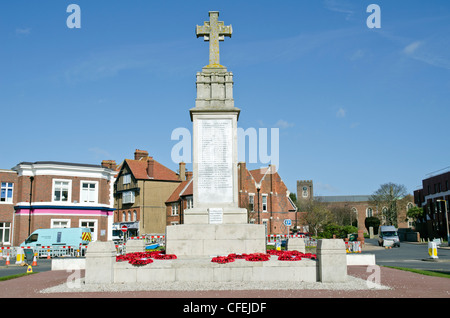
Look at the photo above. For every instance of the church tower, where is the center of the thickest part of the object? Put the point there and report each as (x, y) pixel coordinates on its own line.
(304, 190)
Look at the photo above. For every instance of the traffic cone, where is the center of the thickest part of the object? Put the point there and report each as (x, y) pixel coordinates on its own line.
(34, 261)
(7, 259)
(48, 254)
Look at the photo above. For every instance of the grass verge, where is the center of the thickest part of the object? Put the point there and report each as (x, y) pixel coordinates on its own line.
(423, 272)
(14, 276)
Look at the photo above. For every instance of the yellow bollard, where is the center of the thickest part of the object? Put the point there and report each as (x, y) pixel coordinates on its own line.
(432, 250)
(20, 257)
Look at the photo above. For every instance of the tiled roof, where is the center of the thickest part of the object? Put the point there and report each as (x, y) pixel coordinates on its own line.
(185, 188)
(343, 198)
(160, 172)
(258, 174)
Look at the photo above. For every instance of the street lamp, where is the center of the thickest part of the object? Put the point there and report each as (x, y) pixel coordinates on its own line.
(446, 220)
(259, 220)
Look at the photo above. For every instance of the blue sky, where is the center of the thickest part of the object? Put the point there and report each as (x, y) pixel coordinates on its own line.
(355, 107)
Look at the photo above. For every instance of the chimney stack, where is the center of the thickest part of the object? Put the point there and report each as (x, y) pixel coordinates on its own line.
(140, 154)
(150, 167)
(182, 171)
(111, 164)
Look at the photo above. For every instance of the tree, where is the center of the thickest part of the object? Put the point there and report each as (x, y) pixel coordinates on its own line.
(373, 222)
(385, 199)
(342, 215)
(317, 215)
(415, 213)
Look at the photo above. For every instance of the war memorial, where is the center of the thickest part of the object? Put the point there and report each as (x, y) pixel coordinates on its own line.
(216, 243)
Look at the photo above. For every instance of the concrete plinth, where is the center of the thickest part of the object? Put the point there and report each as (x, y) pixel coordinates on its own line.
(133, 246)
(332, 258)
(296, 244)
(100, 261)
(215, 239)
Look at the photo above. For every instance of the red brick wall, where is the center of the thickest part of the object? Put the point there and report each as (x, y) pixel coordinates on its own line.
(7, 209)
(43, 187)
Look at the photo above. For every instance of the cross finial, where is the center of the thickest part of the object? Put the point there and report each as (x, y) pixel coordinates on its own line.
(214, 31)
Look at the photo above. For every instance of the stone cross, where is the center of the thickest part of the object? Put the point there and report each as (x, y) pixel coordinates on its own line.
(214, 31)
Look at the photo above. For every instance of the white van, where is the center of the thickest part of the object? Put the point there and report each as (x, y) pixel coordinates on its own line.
(73, 237)
(387, 236)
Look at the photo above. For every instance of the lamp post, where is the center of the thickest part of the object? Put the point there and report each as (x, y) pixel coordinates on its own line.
(446, 220)
(259, 220)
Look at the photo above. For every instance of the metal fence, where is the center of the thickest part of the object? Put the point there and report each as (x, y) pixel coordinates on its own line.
(43, 251)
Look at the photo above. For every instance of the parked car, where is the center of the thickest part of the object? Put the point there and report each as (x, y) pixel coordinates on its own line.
(387, 236)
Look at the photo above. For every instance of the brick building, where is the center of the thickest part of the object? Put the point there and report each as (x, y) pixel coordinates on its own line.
(358, 205)
(47, 194)
(141, 189)
(8, 198)
(434, 198)
(262, 193)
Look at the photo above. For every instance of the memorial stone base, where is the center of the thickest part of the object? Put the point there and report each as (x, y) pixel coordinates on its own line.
(101, 268)
(215, 239)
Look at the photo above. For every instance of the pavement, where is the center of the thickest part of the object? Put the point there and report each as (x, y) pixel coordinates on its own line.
(402, 284)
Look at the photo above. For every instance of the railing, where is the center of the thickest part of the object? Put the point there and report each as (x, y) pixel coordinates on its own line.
(44, 251)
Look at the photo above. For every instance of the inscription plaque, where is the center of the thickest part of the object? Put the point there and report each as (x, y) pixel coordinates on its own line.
(215, 215)
(215, 161)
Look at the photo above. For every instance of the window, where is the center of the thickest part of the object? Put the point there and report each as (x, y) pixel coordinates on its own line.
(189, 202)
(32, 238)
(264, 202)
(59, 224)
(134, 215)
(127, 179)
(89, 192)
(6, 192)
(129, 216)
(124, 217)
(369, 212)
(251, 202)
(92, 225)
(128, 197)
(61, 190)
(5, 230)
(305, 191)
(174, 209)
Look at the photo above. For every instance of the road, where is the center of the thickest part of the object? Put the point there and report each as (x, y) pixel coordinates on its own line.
(409, 255)
(43, 265)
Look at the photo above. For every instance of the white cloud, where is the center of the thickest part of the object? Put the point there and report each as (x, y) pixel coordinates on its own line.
(319, 186)
(411, 48)
(426, 56)
(341, 113)
(283, 124)
(100, 153)
(339, 6)
(23, 31)
(357, 55)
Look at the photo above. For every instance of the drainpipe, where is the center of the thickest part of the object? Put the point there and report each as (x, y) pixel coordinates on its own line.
(29, 210)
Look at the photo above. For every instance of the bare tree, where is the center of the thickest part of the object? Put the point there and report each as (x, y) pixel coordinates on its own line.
(317, 215)
(385, 199)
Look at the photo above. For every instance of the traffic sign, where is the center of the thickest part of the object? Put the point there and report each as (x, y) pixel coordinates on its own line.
(287, 222)
(124, 228)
